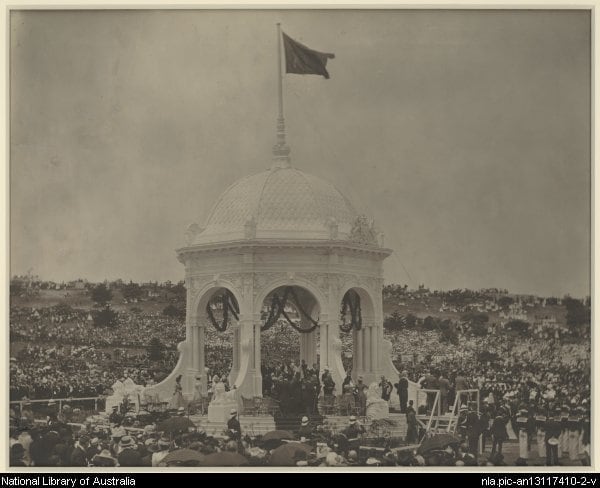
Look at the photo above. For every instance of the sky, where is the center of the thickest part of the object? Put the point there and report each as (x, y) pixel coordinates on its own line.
(464, 134)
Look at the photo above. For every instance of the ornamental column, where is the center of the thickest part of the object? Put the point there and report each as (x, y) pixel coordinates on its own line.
(257, 357)
(235, 364)
(357, 339)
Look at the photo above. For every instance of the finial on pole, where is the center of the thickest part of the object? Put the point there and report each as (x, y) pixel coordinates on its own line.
(281, 151)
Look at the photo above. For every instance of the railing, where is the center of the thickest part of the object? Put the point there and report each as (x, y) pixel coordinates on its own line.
(60, 401)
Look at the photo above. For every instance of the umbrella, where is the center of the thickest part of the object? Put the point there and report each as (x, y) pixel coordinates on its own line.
(273, 438)
(183, 456)
(176, 424)
(224, 458)
(286, 454)
(439, 441)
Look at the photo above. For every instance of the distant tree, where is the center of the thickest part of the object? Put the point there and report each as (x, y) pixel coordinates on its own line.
(173, 311)
(506, 301)
(577, 313)
(552, 301)
(479, 329)
(411, 320)
(393, 321)
(155, 349)
(106, 317)
(519, 326)
(131, 291)
(475, 318)
(178, 292)
(101, 294)
(16, 288)
(448, 332)
(430, 323)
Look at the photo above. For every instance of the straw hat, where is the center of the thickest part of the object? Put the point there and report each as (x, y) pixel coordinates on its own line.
(233, 412)
(352, 420)
(304, 420)
(126, 441)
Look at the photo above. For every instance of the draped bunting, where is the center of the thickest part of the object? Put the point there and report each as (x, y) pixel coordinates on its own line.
(355, 312)
(277, 309)
(228, 304)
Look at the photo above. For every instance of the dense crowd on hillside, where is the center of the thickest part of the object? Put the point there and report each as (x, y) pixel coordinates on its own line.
(58, 352)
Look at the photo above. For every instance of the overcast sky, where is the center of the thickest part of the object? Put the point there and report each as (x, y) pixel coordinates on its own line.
(465, 134)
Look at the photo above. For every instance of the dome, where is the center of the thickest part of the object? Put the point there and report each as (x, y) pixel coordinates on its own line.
(282, 204)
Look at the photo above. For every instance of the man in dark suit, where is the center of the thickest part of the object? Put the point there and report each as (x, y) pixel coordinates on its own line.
(553, 430)
(79, 452)
(402, 389)
(473, 427)
(129, 456)
(233, 425)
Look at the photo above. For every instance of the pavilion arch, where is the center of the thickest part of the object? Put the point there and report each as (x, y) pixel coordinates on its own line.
(196, 325)
(298, 282)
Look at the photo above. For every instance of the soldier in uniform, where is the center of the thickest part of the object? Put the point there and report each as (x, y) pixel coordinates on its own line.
(552, 429)
(585, 438)
(473, 428)
(574, 428)
(563, 447)
(499, 434)
(522, 427)
(540, 425)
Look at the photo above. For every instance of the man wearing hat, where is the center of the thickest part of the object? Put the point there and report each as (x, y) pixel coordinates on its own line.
(354, 429)
(129, 455)
(361, 396)
(181, 411)
(553, 428)
(540, 424)
(162, 451)
(473, 427)
(305, 431)
(79, 452)
(574, 427)
(104, 459)
(402, 389)
(412, 426)
(115, 417)
(499, 434)
(93, 449)
(522, 421)
(233, 425)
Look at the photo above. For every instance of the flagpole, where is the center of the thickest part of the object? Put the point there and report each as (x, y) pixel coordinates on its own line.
(281, 151)
(279, 72)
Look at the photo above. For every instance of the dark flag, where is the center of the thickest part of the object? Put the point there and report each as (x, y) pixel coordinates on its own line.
(302, 60)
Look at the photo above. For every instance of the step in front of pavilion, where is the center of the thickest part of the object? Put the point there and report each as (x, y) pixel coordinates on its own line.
(251, 425)
(398, 427)
(254, 425)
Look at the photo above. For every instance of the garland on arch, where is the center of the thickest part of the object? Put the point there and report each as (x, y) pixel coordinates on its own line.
(228, 304)
(277, 309)
(355, 312)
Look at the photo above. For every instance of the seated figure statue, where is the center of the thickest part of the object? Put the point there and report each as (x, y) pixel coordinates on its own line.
(218, 393)
(377, 407)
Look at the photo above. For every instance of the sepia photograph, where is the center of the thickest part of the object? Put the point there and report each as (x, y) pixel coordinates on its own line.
(320, 239)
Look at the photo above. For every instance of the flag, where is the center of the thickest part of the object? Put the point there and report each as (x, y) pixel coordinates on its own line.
(302, 60)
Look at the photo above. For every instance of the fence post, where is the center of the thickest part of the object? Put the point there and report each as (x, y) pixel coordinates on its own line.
(60, 405)
(95, 405)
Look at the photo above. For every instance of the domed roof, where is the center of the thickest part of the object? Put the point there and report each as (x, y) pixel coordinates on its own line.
(280, 203)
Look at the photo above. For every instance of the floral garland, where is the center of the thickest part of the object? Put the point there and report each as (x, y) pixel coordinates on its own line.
(229, 304)
(277, 309)
(355, 312)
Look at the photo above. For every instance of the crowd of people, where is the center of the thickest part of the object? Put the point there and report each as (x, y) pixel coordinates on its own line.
(57, 352)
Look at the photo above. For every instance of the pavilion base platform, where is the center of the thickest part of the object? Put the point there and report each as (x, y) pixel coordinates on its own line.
(254, 425)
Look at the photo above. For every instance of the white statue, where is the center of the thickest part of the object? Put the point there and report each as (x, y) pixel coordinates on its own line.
(218, 393)
(377, 407)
